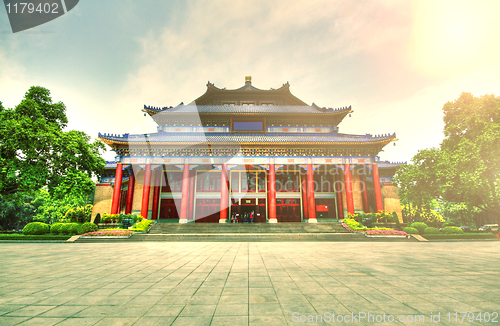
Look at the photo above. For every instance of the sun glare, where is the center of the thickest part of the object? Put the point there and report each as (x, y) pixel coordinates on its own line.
(451, 38)
(458, 30)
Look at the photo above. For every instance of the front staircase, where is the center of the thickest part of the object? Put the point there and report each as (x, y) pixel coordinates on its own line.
(248, 232)
(216, 228)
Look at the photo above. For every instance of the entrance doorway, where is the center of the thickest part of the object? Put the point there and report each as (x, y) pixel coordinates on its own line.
(248, 206)
(207, 210)
(168, 209)
(288, 210)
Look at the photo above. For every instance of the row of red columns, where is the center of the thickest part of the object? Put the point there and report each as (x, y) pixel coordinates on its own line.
(188, 193)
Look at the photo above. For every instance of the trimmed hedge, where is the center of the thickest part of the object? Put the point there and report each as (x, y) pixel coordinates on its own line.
(452, 230)
(465, 236)
(20, 236)
(410, 230)
(420, 226)
(56, 228)
(36, 228)
(75, 228)
(431, 230)
(71, 228)
(88, 227)
(448, 223)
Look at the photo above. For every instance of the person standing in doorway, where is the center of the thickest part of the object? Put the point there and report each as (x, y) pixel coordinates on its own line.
(251, 216)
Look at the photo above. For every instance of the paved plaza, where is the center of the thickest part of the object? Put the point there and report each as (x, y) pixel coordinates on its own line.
(273, 283)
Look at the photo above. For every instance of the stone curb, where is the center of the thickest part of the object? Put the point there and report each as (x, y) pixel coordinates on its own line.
(74, 238)
(419, 237)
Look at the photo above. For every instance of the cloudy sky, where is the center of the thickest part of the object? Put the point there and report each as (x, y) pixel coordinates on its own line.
(396, 62)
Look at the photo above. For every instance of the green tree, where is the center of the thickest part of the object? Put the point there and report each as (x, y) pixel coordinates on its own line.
(472, 152)
(72, 192)
(463, 173)
(35, 151)
(17, 211)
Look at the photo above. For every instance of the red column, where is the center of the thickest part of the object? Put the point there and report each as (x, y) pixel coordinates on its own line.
(117, 189)
(311, 205)
(364, 195)
(376, 185)
(130, 192)
(224, 194)
(191, 195)
(272, 194)
(185, 193)
(156, 193)
(348, 189)
(304, 197)
(145, 191)
(338, 192)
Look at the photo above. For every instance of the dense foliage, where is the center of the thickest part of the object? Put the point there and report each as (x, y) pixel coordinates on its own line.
(427, 214)
(463, 173)
(118, 218)
(370, 220)
(36, 153)
(17, 211)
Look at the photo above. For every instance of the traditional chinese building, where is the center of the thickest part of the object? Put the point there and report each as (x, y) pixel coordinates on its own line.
(242, 150)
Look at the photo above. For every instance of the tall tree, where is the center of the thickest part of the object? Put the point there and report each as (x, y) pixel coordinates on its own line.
(35, 151)
(466, 167)
(472, 152)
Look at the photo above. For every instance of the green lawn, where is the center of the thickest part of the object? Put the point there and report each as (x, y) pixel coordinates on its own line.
(464, 236)
(20, 236)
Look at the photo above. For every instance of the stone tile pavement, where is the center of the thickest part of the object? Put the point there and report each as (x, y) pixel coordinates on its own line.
(266, 283)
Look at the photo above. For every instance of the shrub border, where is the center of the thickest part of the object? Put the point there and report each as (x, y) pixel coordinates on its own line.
(464, 236)
(48, 236)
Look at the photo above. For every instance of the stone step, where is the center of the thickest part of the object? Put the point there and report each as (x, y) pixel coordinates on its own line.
(279, 228)
(251, 237)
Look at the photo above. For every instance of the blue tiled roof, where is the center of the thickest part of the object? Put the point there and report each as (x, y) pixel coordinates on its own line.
(241, 109)
(244, 138)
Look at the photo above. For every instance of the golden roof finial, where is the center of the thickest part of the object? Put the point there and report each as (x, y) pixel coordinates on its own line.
(248, 79)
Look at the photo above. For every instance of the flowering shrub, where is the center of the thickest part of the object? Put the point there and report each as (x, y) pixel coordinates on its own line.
(143, 225)
(108, 234)
(383, 217)
(117, 218)
(386, 232)
(352, 224)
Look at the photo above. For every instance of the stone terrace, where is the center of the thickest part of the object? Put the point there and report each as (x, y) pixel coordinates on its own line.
(196, 283)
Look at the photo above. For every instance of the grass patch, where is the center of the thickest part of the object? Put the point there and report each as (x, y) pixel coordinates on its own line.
(20, 236)
(464, 236)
